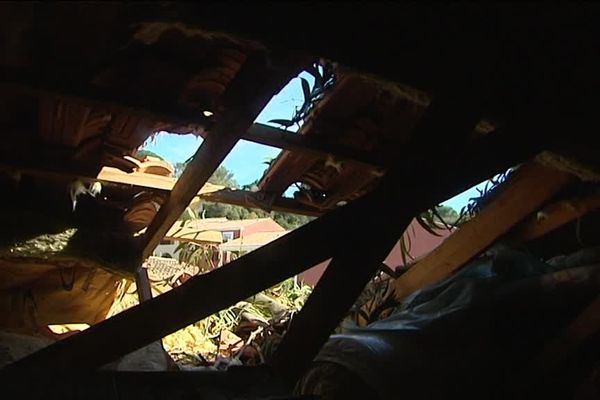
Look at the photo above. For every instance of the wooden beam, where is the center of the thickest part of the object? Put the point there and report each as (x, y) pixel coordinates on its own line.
(260, 200)
(50, 172)
(161, 184)
(553, 217)
(350, 270)
(250, 91)
(270, 136)
(287, 256)
(142, 285)
(527, 190)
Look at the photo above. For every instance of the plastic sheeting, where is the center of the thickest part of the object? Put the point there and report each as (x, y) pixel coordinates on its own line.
(435, 334)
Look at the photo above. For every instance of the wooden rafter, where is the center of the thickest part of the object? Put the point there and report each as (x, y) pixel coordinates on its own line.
(161, 184)
(260, 200)
(554, 216)
(513, 204)
(250, 92)
(350, 270)
(270, 136)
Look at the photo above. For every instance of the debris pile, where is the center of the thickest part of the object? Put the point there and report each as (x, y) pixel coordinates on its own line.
(246, 333)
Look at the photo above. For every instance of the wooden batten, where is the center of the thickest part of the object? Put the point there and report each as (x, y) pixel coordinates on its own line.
(260, 200)
(527, 190)
(553, 217)
(270, 136)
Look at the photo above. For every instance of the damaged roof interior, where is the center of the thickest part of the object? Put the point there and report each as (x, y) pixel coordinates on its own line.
(409, 107)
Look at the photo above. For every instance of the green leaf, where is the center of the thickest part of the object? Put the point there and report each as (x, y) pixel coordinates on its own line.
(314, 71)
(283, 122)
(425, 226)
(305, 90)
(437, 214)
(403, 250)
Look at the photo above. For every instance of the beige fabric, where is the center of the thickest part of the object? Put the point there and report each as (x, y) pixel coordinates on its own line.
(34, 295)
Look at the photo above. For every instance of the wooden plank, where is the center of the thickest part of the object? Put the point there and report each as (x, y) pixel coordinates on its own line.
(252, 88)
(350, 270)
(553, 217)
(260, 200)
(161, 184)
(527, 190)
(270, 136)
(289, 255)
(156, 183)
(142, 284)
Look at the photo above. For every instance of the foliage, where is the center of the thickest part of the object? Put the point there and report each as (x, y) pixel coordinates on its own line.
(222, 176)
(179, 167)
(141, 154)
(438, 218)
(199, 342)
(447, 214)
(290, 293)
(200, 255)
(476, 204)
(443, 217)
(324, 80)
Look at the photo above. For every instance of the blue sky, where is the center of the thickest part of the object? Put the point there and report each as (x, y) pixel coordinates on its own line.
(246, 160)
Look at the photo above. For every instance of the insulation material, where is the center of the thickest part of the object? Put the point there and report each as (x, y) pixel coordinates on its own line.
(34, 295)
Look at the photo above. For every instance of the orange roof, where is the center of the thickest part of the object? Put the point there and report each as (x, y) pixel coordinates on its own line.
(252, 241)
(215, 224)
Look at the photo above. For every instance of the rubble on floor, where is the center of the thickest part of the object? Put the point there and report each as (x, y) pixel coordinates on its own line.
(246, 333)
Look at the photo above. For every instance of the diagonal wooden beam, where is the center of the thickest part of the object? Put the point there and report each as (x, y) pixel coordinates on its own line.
(553, 217)
(250, 91)
(270, 136)
(350, 270)
(527, 190)
(260, 200)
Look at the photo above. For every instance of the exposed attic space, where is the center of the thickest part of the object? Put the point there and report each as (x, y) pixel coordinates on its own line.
(424, 104)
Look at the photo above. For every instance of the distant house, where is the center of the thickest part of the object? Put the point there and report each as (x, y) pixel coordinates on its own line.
(242, 236)
(216, 231)
(251, 242)
(421, 243)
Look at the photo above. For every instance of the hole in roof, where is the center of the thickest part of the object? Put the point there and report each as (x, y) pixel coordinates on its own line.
(172, 148)
(284, 104)
(471, 195)
(248, 161)
(160, 160)
(462, 199)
